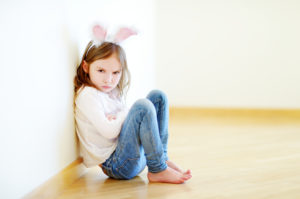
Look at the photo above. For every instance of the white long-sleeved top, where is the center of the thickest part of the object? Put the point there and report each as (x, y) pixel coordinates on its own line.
(98, 135)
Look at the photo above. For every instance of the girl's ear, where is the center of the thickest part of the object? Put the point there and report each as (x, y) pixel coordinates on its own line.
(85, 66)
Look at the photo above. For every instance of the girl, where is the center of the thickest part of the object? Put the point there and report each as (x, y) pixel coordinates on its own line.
(121, 141)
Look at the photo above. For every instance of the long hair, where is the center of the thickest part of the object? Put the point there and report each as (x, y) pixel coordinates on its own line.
(93, 53)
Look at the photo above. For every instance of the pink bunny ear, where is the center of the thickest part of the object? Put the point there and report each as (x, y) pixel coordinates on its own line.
(123, 34)
(99, 32)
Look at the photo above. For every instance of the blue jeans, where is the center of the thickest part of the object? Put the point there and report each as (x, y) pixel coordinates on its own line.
(143, 139)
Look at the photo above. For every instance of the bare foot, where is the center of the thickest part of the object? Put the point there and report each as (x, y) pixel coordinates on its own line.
(175, 167)
(169, 176)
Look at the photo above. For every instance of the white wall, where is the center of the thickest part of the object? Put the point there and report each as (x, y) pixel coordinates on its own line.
(229, 53)
(41, 43)
(37, 128)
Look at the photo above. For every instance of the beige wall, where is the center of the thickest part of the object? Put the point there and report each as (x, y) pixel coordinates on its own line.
(41, 43)
(229, 53)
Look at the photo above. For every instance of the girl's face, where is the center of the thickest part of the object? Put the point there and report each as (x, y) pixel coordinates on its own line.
(105, 74)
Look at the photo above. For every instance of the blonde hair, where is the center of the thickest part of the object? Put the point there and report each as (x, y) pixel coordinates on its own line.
(103, 51)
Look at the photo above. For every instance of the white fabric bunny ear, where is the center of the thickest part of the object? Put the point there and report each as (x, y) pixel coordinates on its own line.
(99, 33)
(123, 34)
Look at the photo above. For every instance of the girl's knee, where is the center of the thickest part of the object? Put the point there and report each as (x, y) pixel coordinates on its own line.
(157, 95)
(144, 105)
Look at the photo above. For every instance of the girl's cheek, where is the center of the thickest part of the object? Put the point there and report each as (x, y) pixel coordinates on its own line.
(117, 79)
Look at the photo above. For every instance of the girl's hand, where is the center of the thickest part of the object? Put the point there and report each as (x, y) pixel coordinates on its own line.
(111, 117)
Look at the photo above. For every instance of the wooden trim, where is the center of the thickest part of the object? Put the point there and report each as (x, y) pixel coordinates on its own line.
(237, 112)
(55, 185)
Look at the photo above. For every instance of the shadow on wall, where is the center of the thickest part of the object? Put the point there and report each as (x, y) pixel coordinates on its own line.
(68, 141)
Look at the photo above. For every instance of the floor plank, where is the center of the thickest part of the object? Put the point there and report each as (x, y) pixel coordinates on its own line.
(230, 157)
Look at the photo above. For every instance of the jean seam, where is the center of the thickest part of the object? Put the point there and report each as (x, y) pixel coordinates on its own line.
(120, 167)
(108, 172)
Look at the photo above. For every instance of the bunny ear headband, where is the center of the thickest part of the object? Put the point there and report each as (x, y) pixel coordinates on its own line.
(100, 34)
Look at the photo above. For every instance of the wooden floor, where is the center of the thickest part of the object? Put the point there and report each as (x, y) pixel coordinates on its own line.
(236, 157)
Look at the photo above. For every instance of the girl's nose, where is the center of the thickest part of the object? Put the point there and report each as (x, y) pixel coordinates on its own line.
(108, 78)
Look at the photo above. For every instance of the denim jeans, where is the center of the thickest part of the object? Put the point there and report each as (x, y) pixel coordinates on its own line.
(143, 139)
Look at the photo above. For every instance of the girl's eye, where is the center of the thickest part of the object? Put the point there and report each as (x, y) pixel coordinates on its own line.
(101, 71)
(117, 72)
